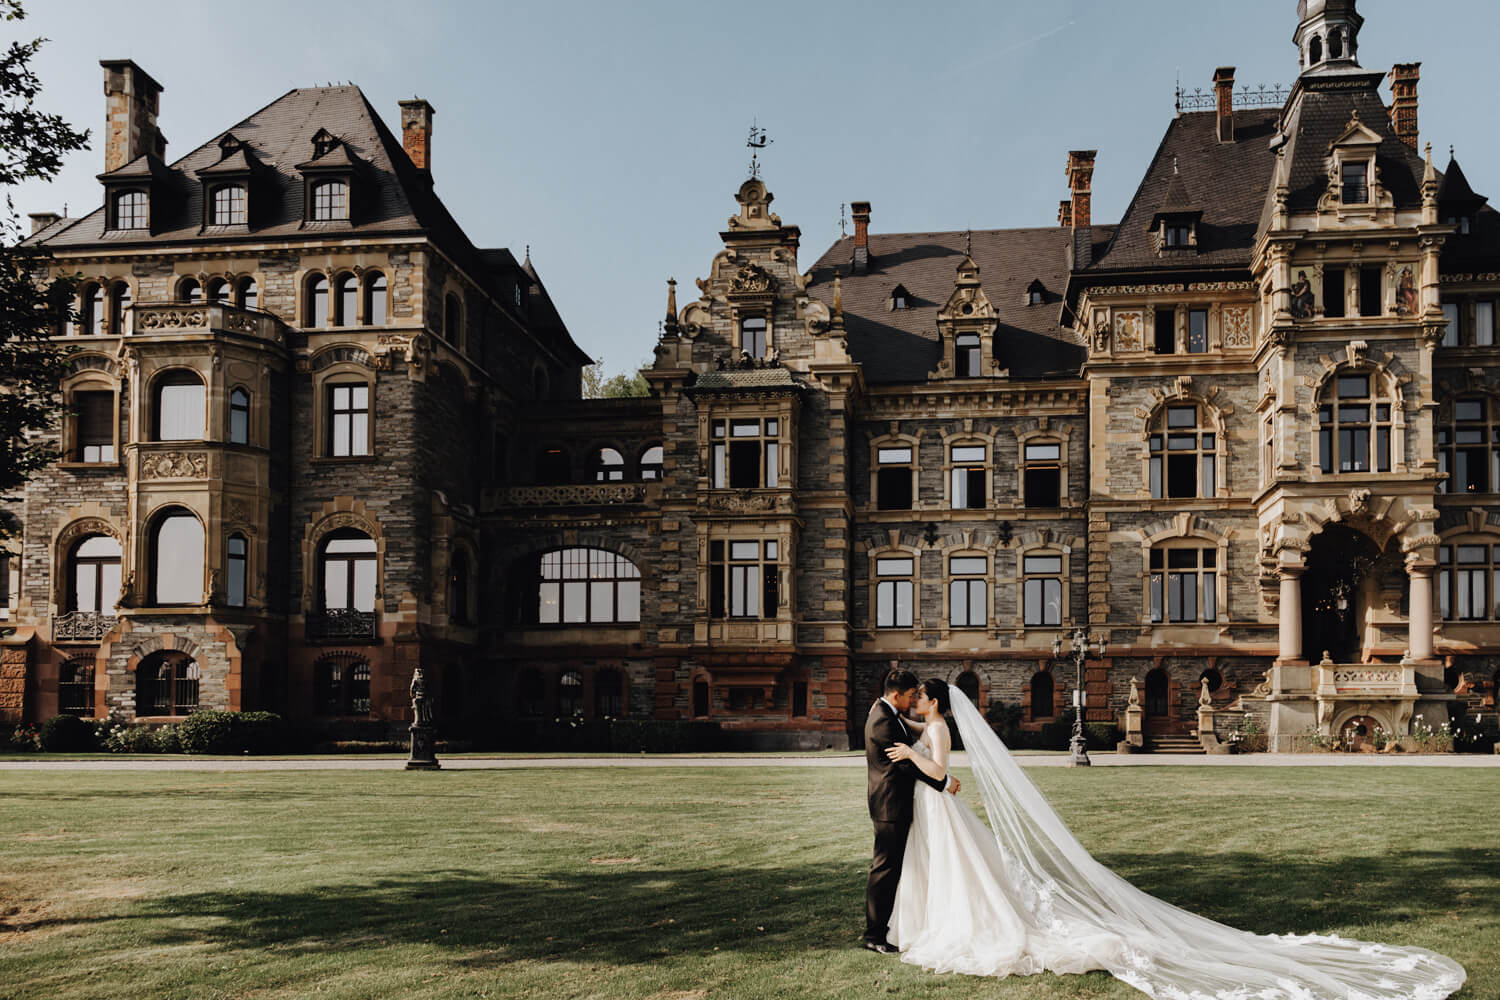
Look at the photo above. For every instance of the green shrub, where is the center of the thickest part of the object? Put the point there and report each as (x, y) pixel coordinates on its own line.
(120, 737)
(66, 734)
(24, 737)
(231, 733)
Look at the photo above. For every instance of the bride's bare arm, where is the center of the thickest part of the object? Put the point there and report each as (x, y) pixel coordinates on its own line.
(936, 766)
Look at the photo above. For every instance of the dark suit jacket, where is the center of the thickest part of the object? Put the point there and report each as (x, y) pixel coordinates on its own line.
(890, 785)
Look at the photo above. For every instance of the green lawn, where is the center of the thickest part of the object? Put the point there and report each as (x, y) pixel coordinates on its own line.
(668, 884)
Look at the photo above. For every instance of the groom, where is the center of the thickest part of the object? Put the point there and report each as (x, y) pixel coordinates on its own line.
(890, 788)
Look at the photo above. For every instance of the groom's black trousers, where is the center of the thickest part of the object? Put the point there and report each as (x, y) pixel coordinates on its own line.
(885, 874)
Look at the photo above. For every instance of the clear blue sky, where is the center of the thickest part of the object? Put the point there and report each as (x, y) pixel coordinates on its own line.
(610, 135)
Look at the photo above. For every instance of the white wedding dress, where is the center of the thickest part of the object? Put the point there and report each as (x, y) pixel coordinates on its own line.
(1022, 896)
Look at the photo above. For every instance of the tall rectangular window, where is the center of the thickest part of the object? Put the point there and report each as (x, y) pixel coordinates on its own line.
(1467, 581)
(966, 356)
(1183, 584)
(893, 478)
(1042, 590)
(1484, 324)
(95, 427)
(893, 592)
(1370, 303)
(1197, 331)
(1042, 476)
(1166, 331)
(1356, 184)
(968, 476)
(744, 579)
(237, 551)
(968, 606)
(1451, 331)
(745, 454)
(753, 336)
(1333, 291)
(349, 420)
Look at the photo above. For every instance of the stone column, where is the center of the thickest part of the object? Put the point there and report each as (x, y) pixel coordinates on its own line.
(1419, 625)
(1290, 609)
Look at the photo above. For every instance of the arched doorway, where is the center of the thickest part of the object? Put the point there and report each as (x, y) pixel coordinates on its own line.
(1335, 597)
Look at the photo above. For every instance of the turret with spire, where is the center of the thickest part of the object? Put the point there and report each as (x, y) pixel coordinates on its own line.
(1327, 35)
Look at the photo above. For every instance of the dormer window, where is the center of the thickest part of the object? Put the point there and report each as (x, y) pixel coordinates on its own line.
(900, 298)
(1178, 234)
(1462, 222)
(1356, 183)
(1036, 293)
(323, 143)
(966, 356)
(229, 206)
(131, 210)
(330, 201)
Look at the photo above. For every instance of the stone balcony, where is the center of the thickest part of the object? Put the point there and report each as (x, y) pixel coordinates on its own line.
(1363, 681)
(194, 317)
(342, 625)
(574, 495)
(82, 626)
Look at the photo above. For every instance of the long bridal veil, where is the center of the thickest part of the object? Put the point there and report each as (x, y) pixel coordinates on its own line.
(1163, 951)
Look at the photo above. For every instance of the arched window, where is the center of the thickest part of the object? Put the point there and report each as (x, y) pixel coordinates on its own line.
(92, 318)
(1354, 426)
(587, 587)
(1042, 696)
(94, 575)
(131, 210)
(608, 466)
(239, 416)
(180, 407)
(1315, 51)
(1469, 448)
(1183, 454)
(177, 559)
(1156, 692)
(375, 299)
(220, 291)
(166, 684)
(458, 589)
(452, 319)
(968, 683)
(247, 295)
(609, 694)
(189, 291)
(119, 309)
(341, 685)
(237, 553)
(75, 687)
(330, 201)
(531, 693)
(1214, 678)
(347, 570)
(230, 206)
(895, 605)
(346, 300)
(553, 467)
(1184, 583)
(651, 463)
(570, 695)
(315, 312)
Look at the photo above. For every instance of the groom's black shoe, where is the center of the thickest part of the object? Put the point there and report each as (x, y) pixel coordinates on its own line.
(883, 947)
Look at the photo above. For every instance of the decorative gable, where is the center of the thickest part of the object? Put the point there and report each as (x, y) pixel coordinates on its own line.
(1354, 190)
(966, 325)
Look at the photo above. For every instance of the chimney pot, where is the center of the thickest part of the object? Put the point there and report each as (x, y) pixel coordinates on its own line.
(41, 220)
(1080, 182)
(1404, 77)
(861, 213)
(131, 102)
(416, 132)
(1224, 91)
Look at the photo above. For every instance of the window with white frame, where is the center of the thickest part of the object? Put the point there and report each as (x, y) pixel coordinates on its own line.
(744, 580)
(180, 406)
(1468, 582)
(131, 210)
(966, 356)
(1041, 474)
(1469, 449)
(745, 453)
(651, 464)
(968, 591)
(1355, 189)
(1182, 454)
(1183, 584)
(330, 201)
(1042, 589)
(348, 561)
(894, 591)
(608, 466)
(1354, 427)
(229, 206)
(177, 558)
(968, 476)
(348, 419)
(894, 475)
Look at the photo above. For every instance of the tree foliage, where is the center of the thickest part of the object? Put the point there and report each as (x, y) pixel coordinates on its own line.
(33, 304)
(597, 385)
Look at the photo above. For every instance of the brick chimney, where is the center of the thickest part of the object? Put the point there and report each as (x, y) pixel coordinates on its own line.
(131, 101)
(1080, 183)
(1224, 91)
(1065, 214)
(1404, 77)
(861, 212)
(416, 132)
(41, 220)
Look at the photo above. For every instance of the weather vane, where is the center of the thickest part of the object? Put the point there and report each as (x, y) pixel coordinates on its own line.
(843, 226)
(757, 142)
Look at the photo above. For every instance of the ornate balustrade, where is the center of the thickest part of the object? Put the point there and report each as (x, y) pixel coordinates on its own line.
(192, 316)
(1360, 680)
(583, 495)
(341, 625)
(82, 626)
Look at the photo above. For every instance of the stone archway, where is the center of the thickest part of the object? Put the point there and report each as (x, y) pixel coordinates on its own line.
(1337, 592)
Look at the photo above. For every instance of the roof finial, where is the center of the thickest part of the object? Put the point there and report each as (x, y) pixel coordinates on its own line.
(528, 253)
(671, 322)
(1450, 150)
(757, 142)
(969, 243)
(838, 296)
(1174, 164)
(843, 224)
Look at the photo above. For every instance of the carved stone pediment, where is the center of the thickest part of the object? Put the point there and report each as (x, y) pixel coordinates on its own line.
(967, 302)
(751, 279)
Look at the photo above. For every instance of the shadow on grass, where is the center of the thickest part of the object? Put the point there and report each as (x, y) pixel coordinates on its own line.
(623, 915)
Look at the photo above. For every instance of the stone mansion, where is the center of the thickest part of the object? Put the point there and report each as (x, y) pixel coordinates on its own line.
(314, 437)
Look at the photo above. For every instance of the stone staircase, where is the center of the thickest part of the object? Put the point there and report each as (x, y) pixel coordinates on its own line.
(1176, 745)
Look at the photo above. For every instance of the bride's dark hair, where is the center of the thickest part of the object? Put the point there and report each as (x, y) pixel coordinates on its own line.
(938, 691)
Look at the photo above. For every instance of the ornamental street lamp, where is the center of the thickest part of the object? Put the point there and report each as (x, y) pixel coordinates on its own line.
(1079, 650)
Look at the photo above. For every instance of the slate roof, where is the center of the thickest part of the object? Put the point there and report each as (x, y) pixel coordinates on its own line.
(902, 345)
(1226, 181)
(746, 378)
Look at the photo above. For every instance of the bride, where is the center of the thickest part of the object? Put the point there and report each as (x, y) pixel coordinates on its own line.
(1026, 897)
